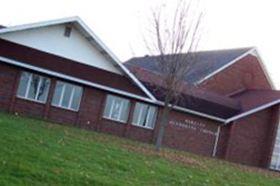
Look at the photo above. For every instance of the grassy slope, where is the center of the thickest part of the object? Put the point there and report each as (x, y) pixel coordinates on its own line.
(34, 152)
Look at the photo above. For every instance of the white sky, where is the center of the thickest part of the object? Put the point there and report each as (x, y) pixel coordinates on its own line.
(120, 24)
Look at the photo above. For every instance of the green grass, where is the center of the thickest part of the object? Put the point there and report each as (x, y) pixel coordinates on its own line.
(35, 152)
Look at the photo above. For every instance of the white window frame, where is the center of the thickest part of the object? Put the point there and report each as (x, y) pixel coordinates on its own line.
(59, 105)
(118, 119)
(137, 123)
(37, 91)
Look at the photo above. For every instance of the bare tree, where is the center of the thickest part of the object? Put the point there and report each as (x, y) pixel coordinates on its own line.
(173, 39)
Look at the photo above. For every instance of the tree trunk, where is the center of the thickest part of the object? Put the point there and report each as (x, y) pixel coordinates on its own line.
(163, 124)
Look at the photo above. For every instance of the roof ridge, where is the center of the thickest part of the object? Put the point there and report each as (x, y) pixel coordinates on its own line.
(228, 49)
(43, 22)
(195, 52)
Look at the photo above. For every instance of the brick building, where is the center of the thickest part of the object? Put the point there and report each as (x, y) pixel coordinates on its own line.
(61, 71)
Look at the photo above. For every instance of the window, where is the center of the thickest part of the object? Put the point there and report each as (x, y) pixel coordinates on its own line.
(116, 108)
(275, 161)
(33, 87)
(67, 96)
(144, 115)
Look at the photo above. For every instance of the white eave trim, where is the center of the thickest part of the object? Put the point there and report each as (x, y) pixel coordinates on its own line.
(225, 66)
(225, 121)
(256, 53)
(267, 105)
(76, 19)
(199, 114)
(115, 59)
(71, 78)
(195, 112)
(38, 24)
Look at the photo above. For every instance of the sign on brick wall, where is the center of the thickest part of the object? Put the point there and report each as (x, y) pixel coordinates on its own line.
(196, 126)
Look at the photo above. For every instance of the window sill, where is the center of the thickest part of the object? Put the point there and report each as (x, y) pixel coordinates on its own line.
(111, 119)
(149, 128)
(63, 108)
(31, 100)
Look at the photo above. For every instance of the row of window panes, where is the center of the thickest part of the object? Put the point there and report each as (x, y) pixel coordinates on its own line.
(117, 109)
(35, 87)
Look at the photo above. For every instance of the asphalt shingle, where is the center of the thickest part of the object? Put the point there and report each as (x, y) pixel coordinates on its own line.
(206, 63)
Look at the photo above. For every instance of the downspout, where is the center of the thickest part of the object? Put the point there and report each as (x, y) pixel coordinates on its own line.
(216, 141)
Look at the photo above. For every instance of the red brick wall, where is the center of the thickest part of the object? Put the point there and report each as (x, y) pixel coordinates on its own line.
(198, 137)
(112, 127)
(246, 73)
(64, 116)
(29, 108)
(248, 139)
(8, 75)
(92, 102)
(140, 134)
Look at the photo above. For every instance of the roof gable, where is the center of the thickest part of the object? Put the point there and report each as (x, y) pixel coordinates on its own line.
(207, 63)
(51, 39)
(85, 47)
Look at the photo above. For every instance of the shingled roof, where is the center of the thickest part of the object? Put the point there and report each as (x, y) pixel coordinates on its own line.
(191, 97)
(206, 63)
(229, 107)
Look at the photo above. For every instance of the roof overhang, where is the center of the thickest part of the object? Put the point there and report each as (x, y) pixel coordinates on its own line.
(91, 37)
(253, 51)
(252, 111)
(225, 66)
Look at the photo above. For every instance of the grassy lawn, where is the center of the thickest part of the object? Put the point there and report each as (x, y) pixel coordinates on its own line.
(34, 152)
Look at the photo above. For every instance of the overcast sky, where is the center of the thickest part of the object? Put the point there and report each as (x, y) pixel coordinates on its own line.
(120, 24)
